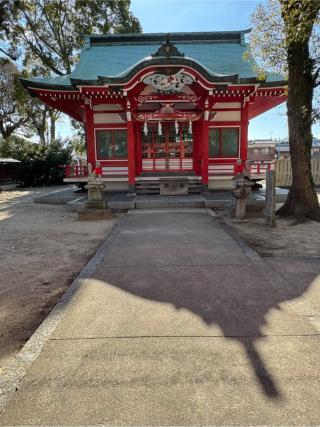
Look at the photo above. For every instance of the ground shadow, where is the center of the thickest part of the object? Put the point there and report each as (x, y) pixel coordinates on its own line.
(235, 298)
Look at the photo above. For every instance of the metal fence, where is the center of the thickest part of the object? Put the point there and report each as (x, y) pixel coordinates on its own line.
(284, 173)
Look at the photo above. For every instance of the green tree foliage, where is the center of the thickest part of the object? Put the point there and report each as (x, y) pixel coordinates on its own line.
(47, 34)
(268, 42)
(285, 39)
(12, 99)
(78, 141)
(18, 111)
(40, 164)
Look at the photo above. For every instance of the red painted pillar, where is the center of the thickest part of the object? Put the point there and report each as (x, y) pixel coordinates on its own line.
(138, 149)
(131, 153)
(91, 152)
(196, 148)
(205, 151)
(244, 131)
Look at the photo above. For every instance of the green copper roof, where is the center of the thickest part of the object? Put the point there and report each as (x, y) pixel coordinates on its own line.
(220, 53)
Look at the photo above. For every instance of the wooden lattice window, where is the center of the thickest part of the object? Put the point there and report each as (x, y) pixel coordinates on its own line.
(111, 144)
(224, 142)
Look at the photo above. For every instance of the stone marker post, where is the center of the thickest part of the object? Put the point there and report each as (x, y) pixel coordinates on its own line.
(270, 203)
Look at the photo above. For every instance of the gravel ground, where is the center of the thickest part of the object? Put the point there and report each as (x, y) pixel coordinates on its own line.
(42, 248)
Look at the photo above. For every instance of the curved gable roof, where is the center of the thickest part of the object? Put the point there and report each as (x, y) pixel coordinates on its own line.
(113, 56)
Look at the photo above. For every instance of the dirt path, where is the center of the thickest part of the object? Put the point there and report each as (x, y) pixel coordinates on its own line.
(42, 248)
(283, 240)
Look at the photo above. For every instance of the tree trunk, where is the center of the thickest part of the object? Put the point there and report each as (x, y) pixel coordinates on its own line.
(5, 132)
(41, 127)
(52, 129)
(302, 201)
(42, 136)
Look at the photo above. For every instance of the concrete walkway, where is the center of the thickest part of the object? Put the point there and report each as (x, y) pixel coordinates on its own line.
(177, 326)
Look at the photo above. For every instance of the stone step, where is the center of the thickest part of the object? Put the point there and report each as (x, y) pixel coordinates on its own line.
(153, 186)
(169, 204)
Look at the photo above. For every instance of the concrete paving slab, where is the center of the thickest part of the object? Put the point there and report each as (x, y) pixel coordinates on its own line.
(165, 238)
(302, 273)
(60, 196)
(175, 301)
(55, 200)
(171, 381)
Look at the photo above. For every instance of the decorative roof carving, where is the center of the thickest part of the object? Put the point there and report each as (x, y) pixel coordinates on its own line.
(168, 111)
(181, 97)
(168, 83)
(167, 49)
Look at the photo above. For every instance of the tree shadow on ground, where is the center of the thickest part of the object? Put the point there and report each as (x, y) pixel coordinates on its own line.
(236, 298)
(239, 311)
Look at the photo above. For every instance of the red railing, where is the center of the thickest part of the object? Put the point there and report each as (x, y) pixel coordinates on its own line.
(230, 169)
(76, 171)
(260, 167)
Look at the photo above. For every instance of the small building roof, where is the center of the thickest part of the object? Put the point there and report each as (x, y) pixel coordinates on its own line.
(261, 143)
(114, 57)
(284, 143)
(8, 160)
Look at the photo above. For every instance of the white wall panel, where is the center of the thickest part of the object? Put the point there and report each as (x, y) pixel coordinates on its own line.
(107, 118)
(227, 105)
(227, 116)
(107, 107)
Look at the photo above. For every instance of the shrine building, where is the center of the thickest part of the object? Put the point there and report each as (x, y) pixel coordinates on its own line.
(156, 105)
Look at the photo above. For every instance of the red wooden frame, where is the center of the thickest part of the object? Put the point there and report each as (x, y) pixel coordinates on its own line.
(90, 136)
(166, 133)
(131, 153)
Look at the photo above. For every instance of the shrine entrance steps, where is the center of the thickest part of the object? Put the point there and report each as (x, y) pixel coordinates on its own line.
(212, 199)
(123, 201)
(170, 202)
(156, 201)
(152, 185)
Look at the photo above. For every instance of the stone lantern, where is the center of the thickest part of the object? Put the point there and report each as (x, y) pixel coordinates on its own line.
(95, 188)
(240, 193)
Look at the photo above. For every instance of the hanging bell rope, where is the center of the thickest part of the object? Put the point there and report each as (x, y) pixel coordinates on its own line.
(145, 128)
(176, 125)
(159, 129)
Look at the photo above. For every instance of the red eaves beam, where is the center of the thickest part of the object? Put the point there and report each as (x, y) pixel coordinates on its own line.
(265, 100)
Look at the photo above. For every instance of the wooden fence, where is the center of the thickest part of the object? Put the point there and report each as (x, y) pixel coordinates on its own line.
(284, 174)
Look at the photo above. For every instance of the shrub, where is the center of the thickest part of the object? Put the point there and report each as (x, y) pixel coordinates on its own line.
(40, 165)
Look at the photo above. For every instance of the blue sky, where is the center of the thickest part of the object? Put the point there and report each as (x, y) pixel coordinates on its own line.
(211, 15)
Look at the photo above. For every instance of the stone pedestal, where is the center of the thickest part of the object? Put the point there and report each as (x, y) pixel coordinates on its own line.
(95, 207)
(95, 196)
(94, 214)
(173, 186)
(240, 208)
(240, 194)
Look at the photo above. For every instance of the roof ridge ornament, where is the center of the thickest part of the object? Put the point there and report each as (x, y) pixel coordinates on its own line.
(167, 49)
